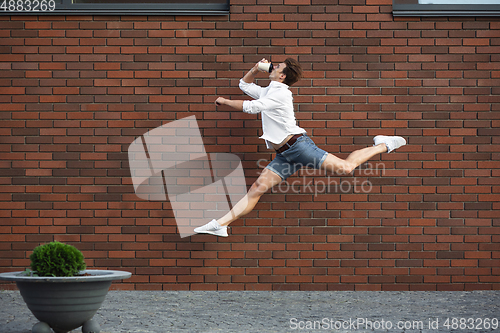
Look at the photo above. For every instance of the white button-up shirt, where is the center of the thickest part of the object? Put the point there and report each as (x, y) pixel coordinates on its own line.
(275, 103)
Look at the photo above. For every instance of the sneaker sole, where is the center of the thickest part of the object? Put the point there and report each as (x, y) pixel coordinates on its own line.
(211, 233)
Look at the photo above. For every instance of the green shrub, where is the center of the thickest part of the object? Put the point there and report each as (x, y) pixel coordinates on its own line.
(57, 259)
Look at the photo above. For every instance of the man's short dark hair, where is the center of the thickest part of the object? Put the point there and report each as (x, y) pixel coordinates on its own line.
(293, 71)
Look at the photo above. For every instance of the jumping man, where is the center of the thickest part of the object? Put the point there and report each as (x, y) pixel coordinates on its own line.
(294, 149)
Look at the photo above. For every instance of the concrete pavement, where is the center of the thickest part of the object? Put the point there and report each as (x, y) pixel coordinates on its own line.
(279, 311)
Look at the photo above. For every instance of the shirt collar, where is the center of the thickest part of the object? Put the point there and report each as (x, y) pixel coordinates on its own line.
(278, 84)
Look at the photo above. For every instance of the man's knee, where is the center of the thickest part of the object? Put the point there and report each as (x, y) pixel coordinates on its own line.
(257, 189)
(345, 168)
(339, 166)
(349, 167)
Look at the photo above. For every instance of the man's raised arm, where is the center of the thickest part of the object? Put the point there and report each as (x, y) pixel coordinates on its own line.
(248, 78)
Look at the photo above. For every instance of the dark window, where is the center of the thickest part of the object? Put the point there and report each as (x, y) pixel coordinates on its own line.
(446, 7)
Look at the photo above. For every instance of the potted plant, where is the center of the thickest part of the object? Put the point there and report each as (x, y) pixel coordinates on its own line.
(60, 292)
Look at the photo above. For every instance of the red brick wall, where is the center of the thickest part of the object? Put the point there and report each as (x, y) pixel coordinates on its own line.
(75, 91)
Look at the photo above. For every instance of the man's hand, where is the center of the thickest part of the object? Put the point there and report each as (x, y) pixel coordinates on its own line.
(238, 105)
(220, 101)
(250, 76)
(265, 61)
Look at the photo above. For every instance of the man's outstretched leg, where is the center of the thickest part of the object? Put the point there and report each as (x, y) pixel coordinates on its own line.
(382, 144)
(266, 180)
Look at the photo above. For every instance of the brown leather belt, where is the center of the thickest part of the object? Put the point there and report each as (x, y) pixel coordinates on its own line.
(289, 143)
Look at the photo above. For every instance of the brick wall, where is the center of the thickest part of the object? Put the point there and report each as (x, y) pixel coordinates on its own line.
(75, 91)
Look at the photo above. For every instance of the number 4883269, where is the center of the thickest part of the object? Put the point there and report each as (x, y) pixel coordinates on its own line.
(471, 323)
(28, 5)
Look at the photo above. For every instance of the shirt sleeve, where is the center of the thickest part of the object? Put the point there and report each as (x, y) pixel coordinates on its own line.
(271, 101)
(251, 89)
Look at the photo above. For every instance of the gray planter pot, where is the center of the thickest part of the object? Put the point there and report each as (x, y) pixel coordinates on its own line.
(65, 303)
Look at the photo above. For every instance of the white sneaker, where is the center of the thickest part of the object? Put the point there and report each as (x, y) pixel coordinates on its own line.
(212, 228)
(391, 142)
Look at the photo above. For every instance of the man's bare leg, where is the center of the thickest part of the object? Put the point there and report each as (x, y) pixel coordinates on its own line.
(337, 165)
(266, 181)
(382, 144)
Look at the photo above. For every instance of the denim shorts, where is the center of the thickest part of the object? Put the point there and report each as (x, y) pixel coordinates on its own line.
(303, 153)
